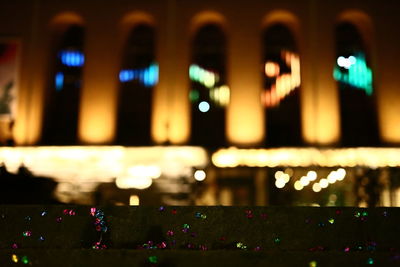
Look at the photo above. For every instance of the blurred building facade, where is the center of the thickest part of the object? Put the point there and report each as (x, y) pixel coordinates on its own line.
(251, 74)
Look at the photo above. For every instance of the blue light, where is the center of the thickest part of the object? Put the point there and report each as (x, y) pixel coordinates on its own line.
(147, 76)
(59, 81)
(126, 75)
(204, 106)
(72, 58)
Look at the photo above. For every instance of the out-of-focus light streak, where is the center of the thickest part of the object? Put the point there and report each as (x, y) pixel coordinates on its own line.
(59, 81)
(206, 78)
(285, 83)
(219, 95)
(354, 72)
(306, 157)
(147, 76)
(132, 167)
(72, 58)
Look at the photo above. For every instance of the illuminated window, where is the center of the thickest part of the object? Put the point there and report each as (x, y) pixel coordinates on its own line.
(355, 82)
(62, 98)
(209, 94)
(281, 83)
(138, 76)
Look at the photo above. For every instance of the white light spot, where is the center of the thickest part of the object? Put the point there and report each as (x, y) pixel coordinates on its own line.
(298, 186)
(280, 183)
(134, 200)
(316, 187)
(312, 175)
(204, 106)
(199, 175)
(324, 183)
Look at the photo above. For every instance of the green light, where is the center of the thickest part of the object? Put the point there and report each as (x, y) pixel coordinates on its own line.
(358, 75)
(194, 95)
(202, 76)
(25, 260)
(153, 259)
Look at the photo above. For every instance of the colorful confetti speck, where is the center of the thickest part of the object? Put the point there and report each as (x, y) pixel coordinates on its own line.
(24, 260)
(27, 233)
(14, 258)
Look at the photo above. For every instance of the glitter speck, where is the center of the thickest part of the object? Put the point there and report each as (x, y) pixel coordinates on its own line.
(44, 213)
(27, 233)
(313, 264)
(58, 219)
(14, 258)
(370, 261)
(25, 260)
(331, 221)
(277, 240)
(241, 245)
(162, 208)
(41, 238)
(385, 214)
(153, 259)
(14, 246)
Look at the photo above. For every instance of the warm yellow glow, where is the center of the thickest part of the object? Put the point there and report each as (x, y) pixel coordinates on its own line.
(103, 164)
(134, 200)
(97, 120)
(289, 171)
(271, 69)
(316, 187)
(127, 182)
(341, 173)
(152, 172)
(280, 183)
(323, 183)
(298, 186)
(331, 179)
(14, 258)
(286, 178)
(284, 83)
(66, 18)
(200, 175)
(278, 174)
(304, 181)
(220, 95)
(304, 157)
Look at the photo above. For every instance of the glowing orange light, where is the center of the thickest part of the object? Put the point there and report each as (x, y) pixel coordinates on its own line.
(272, 69)
(285, 83)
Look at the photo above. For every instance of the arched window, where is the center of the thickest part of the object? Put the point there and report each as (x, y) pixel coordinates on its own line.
(209, 94)
(138, 76)
(281, 83)
(63, 96)
(355, 84)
